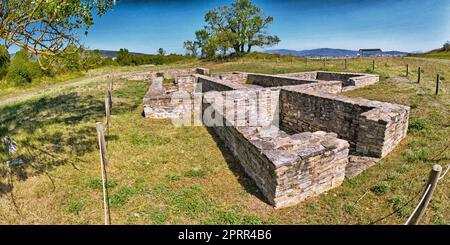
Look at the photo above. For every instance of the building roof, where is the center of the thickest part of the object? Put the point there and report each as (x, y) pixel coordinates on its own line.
(370, 50)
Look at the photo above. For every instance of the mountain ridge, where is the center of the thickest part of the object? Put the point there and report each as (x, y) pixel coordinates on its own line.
(329, 52)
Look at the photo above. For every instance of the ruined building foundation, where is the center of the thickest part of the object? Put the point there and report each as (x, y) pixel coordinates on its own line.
(307, 137)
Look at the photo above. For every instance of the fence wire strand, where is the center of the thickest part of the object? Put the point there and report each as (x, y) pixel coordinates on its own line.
(398, 209)
(443, 175)
(419, 204)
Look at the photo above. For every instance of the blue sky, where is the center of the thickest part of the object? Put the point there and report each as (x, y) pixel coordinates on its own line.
(406, 25)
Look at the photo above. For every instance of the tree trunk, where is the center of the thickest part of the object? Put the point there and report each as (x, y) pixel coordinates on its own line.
(236, 48)
(249, 49)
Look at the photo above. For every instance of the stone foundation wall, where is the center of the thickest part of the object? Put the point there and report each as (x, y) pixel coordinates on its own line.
(286, 168)
(215, 84)
(202, 71)
(274, 80)
(371, 128)
(300, 147)
(236, 77)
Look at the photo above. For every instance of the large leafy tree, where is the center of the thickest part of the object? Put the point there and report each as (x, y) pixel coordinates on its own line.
(46, 27)
(240, 27)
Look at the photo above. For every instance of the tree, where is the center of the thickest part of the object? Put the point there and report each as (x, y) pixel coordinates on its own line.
(240, 26)
(123, 57)
(4, 61)
(191, 48)
(446, 46)
(161, 52)
(46, 27)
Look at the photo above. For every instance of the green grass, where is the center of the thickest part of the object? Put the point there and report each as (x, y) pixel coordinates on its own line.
(435, 54)
(161, 174)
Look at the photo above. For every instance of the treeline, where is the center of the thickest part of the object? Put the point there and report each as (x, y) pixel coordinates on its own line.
(24, 67)
(125, 58)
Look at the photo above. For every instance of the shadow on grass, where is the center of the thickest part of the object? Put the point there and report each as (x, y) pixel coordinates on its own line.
(50, 132)
(238, 171)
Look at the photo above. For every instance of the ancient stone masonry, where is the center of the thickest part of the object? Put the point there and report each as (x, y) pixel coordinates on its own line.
(293, 134)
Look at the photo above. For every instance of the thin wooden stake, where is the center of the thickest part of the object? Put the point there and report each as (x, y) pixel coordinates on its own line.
(104, 162)
(345, 64)
(419, 74)
(407, 69)
(107, 113)
(438, 78)
(431, 186)
(373, 65)
(110, 92)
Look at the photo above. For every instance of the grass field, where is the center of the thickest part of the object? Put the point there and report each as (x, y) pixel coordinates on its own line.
(435, 54)
(160, 174)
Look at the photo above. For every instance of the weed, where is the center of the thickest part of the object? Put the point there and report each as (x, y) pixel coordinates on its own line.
(381, 188)
(392, 176)
(173, 177)
(420, 155)
(417, 124)
(351, 208)
(405, 168)
(195, 173)
(121, 196)
(75, 207)
(96, 184)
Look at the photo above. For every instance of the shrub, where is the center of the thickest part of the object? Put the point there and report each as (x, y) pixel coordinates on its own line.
(22, 69)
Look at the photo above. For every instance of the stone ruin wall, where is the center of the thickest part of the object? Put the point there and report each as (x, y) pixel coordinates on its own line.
(372, 129)
(324, 136)
(286, 168)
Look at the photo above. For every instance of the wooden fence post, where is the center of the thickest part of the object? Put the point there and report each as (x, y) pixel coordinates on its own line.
(428, 194)
(345, 64)
(107, 112)
(407, 69)
(438, 78)
(104, 162)
(373, 65)
(419, 74)
(110, 91)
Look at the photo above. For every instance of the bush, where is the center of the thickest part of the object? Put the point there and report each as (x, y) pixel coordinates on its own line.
(22, 69)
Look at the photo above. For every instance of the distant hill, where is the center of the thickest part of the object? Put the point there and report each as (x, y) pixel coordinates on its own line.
(327, 52)
(437, 54)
